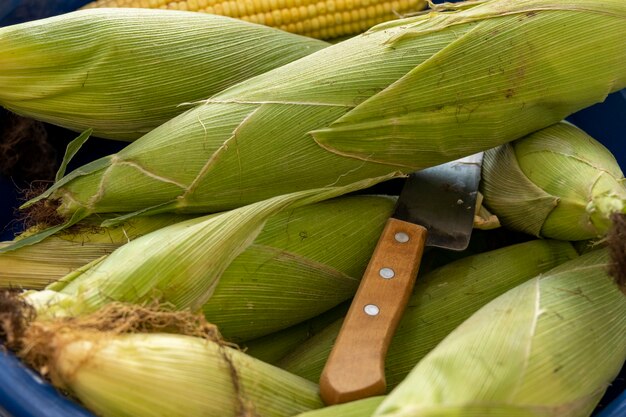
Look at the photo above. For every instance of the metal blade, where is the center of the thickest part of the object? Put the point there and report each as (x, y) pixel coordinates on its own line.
(443, 199)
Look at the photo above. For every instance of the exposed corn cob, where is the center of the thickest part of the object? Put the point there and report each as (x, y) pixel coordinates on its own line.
(157, 374)
(406, 95)
(325, 19)
(124, 72)
(190, 263)
(558, 183)
(549, 347)
(443, 299)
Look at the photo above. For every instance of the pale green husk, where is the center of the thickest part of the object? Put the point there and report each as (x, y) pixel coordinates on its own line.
(442, 300)
(185, 263)
(124, 72)
(149, 375)
(406, 95)
(558, 183)
(549, 347)
(274, 346)
(35, 266)
(304, 262)
(360, 408)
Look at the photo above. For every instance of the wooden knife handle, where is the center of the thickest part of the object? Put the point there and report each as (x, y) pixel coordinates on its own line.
(355, 368)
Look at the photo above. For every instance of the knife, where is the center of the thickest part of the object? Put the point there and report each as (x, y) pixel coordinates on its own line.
(435, 208)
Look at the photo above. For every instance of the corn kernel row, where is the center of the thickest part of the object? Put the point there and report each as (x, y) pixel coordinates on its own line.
(321, 19)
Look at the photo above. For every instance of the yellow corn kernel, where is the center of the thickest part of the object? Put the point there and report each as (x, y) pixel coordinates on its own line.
(278, 17)
(299, 16)
(323, 21)
(285, 16)
(306, 26)
(311, 11)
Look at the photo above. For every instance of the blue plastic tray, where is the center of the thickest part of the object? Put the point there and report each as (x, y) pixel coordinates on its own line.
(24, 394)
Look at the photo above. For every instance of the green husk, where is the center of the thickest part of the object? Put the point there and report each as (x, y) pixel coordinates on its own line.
(549, 347)
(442, 300)
(124, 72)
(185, 263)
(35, 266)
(274, 346)
(122, 362)
(557, 183)
(181, 376)
(304, 262)
(360, 408)
(405, 95)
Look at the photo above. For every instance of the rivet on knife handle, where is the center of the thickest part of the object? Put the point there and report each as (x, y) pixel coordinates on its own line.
(356, 366)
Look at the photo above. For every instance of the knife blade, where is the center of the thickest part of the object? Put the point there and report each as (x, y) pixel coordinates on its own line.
(435, 208)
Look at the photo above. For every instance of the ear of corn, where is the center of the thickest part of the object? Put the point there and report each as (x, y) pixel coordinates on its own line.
(173, 375)
(183, 264)
(558, 183)
(549, 347)
(442, 300)
(405, 95)
(324, 19)
(304, 262)
(35, 266)
(124, 72)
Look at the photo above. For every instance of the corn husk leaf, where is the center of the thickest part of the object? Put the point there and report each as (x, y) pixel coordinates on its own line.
(124, 72)
(404, 96)
(558, 183)
(274, 346)
(360, 408)
(180, 264)
(35, 266)
(304, 262)
(549, 347)
(143, 375)
(442, 300)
